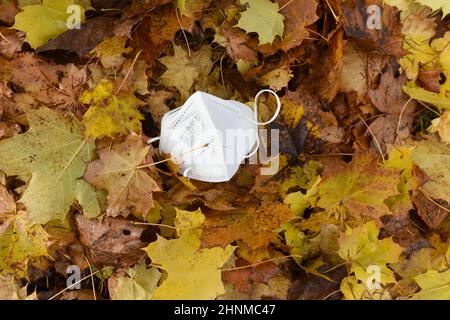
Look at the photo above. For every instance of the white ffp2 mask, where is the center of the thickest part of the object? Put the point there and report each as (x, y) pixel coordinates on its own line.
(209, 137)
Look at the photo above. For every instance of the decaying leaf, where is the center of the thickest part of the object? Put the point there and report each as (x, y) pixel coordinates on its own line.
(359, 188)
(123, 171)
(112, 241)
(110, 115)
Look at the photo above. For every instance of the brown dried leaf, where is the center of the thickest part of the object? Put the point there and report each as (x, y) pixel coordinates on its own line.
(111, 242)
(122, 171)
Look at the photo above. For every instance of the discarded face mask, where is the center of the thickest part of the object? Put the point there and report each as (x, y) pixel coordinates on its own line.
(209, 137)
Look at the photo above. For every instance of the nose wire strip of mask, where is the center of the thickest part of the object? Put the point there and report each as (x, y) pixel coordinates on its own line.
(255, 118)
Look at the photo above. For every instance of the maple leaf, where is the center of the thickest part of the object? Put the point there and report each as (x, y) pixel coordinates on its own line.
(256, 226)
(276, 79)
(55, 153)
(183, 256)
(139, 284)
(434, 158)
(298, 15)
(121, 170)
(111, 51)
(180, 72)
(262, 17)
(110, 115)
(442, 126)
(361, 248)
(358, 188)
(235, 41)
(400, 158)
(45, 21)
(20, 241)
(435, 285)
(44, 83)
(443, 5)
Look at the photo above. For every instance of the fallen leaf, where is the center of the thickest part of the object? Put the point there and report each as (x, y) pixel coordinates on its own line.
(123, 171)
(42, 22)
(361, 248)
(434, 158)
(182, 256)
(180, 72)
(110, 115)
(276, 79)
(254, 227)
(359, 188)
(20, 241)
(138, 284)
(442, 126)
(434, 285)
(262, 17)
(298, 15)
(55, 154)
(112, 241)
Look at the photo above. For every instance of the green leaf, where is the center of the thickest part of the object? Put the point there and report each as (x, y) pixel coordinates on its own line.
(42, 22)
(262, 17)
(20, 241)
(55, 153)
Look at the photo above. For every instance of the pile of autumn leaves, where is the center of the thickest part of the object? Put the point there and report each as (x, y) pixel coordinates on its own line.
(92, 159)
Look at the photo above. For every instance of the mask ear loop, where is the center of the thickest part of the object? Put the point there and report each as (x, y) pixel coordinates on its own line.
(255, 118)
(150, 141)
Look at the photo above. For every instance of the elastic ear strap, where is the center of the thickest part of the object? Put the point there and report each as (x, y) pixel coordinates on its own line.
(150, 141)
(255, 107)
(255, 121)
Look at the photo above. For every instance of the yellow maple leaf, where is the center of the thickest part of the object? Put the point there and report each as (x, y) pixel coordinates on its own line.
(361, 248)
(139, 284)
(180, 72)
(110, 115)
(262, 17)
(192, 273)
(20, 240)
(46, 20)
(358, 189)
